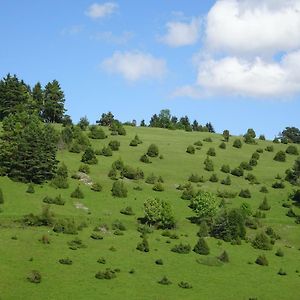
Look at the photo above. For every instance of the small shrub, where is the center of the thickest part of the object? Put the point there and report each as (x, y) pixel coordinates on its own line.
(30, 189)
(255, 156)
(119, 189)
(225, 169)
(133, 143)
(184, 285)
(264, 189)
(153, 151)
(203, 230)
(67, 226)
(181, 248)
(96, 236)
(226, 194)
(293, 150)
(201, 247)
(211, 152)
(269, 149)
(224, 257)
(101, 260)
(143, 246)
(291, 213)
(278, 185)
(237, 143)
(280, 156)
(251, 178)
(222, 145)
(281, 272)
(261, 241)
(264, 205)
(245, 166)
(190, 149)
(259, 150)
(198, 143)
(226, 181)
(117, 224)
(57, 200)
(245, 193)
(158, 187)
(159, 262)
(279, 253)
(84, 169)
(96, 187)
(151, 179)
(208, 165)
(107, 274)
(65, 261)
(106, 151)
(77, 193)
(76, 244)
(262, 260)
(89, 157)
(214, 178)
(237, 172)
(145, 159)
(196, 178)
(127, 211)
(165, 281)
(34, 276)
(45, 239)
(114, 145)
(208, 140)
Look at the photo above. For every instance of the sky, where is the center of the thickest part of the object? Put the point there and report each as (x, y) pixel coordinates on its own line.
(235, 63)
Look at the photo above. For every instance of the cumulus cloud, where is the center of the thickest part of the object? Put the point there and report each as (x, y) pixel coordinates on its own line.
(98, 11)
(135, 65)
(253, 27)
(181, 34)
(251, 48)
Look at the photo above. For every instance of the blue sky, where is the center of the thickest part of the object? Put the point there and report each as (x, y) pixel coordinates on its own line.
(230, 62)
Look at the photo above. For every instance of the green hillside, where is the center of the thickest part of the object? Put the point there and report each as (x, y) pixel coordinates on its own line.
(24, 248)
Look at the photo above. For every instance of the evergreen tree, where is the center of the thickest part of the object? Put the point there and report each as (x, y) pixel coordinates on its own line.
(106, 119)
(54, 103)
(201, 247)
(226, 135)
(38, 97)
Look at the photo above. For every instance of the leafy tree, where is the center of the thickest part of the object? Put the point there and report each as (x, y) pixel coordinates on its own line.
(28, 148)
(292, 150)
(54, 103)
(106, 119)
(291, 134)
(204, 205)
(159, 213)
(210, 127)
(201, 247)
(249, 137)
(83, 123)
(96, 133)
(89, 157)
(143, 124)
(293, 175)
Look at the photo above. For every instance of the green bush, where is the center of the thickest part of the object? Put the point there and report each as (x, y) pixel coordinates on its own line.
(184, 285)
(159, 262)
(96, 132)
(30, 189)
(293, 150)
(119, 189)
(208, 165)
(96, 236)
(214, 178)
(106, 151)
(279, 253)
(76, 244)
(261, 241)
(133, 143)
(251, 178)
(226, 181)
(151, 179)
(158, 187)
(143, 246)
(224, 257)
(181, 248)
(118, 164)
(208, 140)
(237, 172)
(201, 247)
(132, 173)
(117, 224)
(57, 200)
(77, 193)
(84, 169)
(253, 162)
(65, 261)
(211, 151)
(255, 156)
(188, 193)
(262, 260)
(145, 159)
(269, 149)
(226, 194)
(222, 145)
(107, 274)
(89, 157)
(66, 226)
(190, 149)
(278, 185)
(225, 169)
(264, 205)
(114, 145)
(165, 281)
(203, 230)
(281, 272)
(34, 276)
(127, 211)
(264, 189)
(245, 193)
(237, 143)
(280, 156)
(96, 187)
(198, 143)
(153, 151)
(1, 196)
(101, 260)
(245, 166)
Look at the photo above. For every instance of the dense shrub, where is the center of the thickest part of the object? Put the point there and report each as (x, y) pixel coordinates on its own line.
(214, 178)
(84, 169)
(181, 248)
(96, 187)
(253, 162)
(278, 185)
(237, 143)
(190, 149)
(262, 260)
(292, 150)
(132, 173)
(117, 224)
(251, 178)
(89, 157)
(34, 276)
(245, 166)
(245, 193)
(112, 174)
(211, 151)
(201, 247)
(188, 193)
(106, 151)
(119, 189)
(96, 132)
(96, 236)
(127, 211)
(269, 149)
(225, 169)
(61, 178)
(259, 150)
(208, 165)
(158, 187)
(46, 218)
(222, 145)
(198, 143)
(107, 274)
(203, 229)
(208, 139)
(30, 189)
(264, 189)
(165, 281)
(133, 143)
(255, 156)
(237, 172)
(57, 200)
(151, 179)
(261, 241)
(77, 193)
(280, 156)
(224, 257)
(153, 151)
(272, 234)
(196, 178)
(226, 194)
(67, 226)
(65, 261)
(114, 145)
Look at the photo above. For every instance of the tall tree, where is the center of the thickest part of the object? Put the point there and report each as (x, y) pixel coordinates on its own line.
(38, 97)
(54, 103)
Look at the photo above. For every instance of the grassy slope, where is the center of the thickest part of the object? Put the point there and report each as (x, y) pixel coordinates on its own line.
(236, 280)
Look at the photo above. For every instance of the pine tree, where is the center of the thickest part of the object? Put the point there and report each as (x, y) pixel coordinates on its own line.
(38, 97)
(201, 247)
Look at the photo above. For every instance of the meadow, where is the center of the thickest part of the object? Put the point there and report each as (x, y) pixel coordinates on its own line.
(137, 278)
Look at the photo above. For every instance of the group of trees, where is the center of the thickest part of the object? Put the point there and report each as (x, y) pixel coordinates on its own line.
(16, 96)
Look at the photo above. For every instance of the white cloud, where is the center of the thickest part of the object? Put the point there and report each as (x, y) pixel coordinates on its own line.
(97, 11)
(135, 65)
(109, 37)
(181, 34)
(253, 27)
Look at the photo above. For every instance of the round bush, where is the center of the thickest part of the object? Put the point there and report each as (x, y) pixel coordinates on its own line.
(292, 150)
(280, 156)
(119, 189)
(153, 151)
(190, 149)
(237, 143)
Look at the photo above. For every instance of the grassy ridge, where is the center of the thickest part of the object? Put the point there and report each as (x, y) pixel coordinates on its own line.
(236, 280)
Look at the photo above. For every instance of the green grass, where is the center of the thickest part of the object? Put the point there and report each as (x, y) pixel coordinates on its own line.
(241, 278)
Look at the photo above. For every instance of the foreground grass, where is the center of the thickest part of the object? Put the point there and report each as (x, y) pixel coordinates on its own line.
(21, 251)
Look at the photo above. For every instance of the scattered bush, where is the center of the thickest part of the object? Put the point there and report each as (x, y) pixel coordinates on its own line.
(262, 260)
(198, 143)
(264, 189)
(251, 178)
(226, 194)
(145, 159)
(237, 172)
(264, 205)
(208, 140)
(158, 187)
(255, 156)
(181, 248)
(226, 181)
(245, 193)
(67, 226)
(96, 132)
(114, 145)
(96, 236)
(119, 189)
(117, 224)
(132, 173)
(281, 272)
(89, 157)
(84, 169)
(143, 246)
(30, 189)
(65, 261)
(76, 244)
(225, 169)
(77, 193)
(222, 145)
(190, 149)
(261, 241)
(293, 150)
(201, 247)
(57, 200)
(96, 187)
(1, 196)
(153, 151)
(245, 166)
(224, 257)
(203, 230)
(259, 150)
(237, 143)
(211, 152)
(106, 151)
(279, 253)
(34, 276)
(101, 260)
(151, 179)
(184, 285)
(165, 281)
(280, 156)
(269, 149)
(107, 274)
(133, 143)
(278, 185)
(208, 165)
(159, 262)
(214, 178)
(127, 211)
